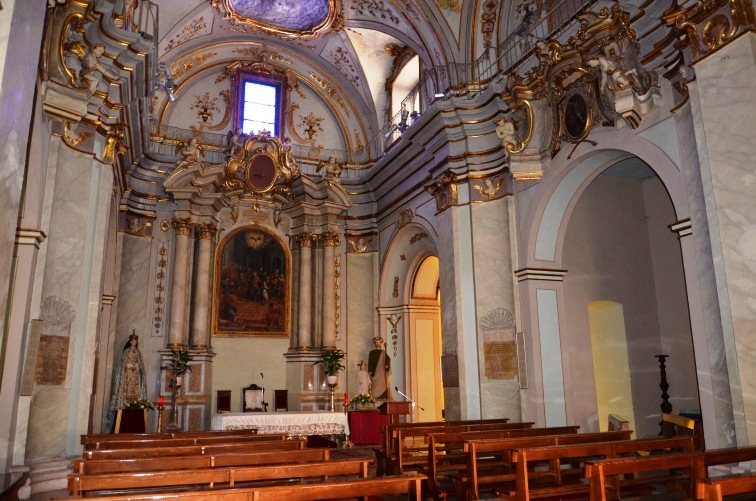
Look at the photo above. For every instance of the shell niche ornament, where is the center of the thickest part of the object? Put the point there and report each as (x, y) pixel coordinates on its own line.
(261, 166)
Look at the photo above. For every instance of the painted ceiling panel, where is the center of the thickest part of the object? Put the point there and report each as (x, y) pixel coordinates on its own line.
(287, 14)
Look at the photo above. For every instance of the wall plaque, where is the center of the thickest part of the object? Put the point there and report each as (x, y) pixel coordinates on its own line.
(52, 360)
(500, 359)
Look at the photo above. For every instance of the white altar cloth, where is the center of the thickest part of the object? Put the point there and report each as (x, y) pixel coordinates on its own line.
(292, 423)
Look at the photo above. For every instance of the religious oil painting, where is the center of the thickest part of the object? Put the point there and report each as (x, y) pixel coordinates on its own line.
(251, 296)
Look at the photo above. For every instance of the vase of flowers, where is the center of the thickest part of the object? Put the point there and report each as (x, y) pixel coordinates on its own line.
(362, 401)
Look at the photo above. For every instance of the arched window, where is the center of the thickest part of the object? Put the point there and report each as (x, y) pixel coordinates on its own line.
(261, 103)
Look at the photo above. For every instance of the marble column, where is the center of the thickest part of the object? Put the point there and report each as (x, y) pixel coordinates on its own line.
(200, 325)
(177, 327)
(330, 241)
(305, 290)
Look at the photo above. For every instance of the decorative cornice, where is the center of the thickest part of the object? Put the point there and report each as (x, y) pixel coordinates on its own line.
(29, 236)
(683, 228)
(540, 274)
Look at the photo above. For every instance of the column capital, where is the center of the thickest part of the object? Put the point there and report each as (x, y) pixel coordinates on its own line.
(206, 231)
(306, 238)
(182, 225)
(331, 239)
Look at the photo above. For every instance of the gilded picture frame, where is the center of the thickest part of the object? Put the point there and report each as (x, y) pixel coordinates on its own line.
(252, 288)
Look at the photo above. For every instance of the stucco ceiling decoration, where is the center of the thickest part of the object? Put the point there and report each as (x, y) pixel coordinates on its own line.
(284, 18)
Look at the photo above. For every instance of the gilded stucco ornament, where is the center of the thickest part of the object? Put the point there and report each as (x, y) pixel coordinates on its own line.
(444, 190)
(284, 18)
(710, 24)
(262, 167)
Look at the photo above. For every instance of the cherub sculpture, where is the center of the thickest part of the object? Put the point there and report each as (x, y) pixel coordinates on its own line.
(332, 170)
(90, 66)
(235, 142)
(190, 153)
(505, 131)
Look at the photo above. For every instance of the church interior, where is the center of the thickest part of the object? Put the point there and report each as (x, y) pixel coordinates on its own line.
(541, 210)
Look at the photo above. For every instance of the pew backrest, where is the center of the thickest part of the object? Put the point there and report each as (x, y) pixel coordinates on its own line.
(189, 450)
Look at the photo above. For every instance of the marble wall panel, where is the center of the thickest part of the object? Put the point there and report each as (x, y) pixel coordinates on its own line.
(727, 99)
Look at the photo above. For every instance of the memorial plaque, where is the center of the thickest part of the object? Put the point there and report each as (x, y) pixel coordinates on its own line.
(52, 360)
(500, 359)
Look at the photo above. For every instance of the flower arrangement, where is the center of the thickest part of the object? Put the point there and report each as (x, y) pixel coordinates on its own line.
(362, 399)
(139, 404)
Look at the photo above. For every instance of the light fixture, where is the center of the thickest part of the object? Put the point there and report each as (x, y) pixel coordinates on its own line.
(403, 122)
(165, 81)
(391, 130)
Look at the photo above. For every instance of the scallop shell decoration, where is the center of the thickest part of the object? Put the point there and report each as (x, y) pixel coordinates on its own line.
(56, 310)
(497, 320)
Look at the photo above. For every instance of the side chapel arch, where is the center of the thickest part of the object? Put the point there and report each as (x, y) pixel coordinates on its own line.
(542, 254)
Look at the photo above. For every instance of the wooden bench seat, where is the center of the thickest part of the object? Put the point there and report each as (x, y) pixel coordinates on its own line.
(95, 466)
(193, 450)
(410, 449)
(137, 443)
(407, 485)
(212, 477)
(489, 464)
(566, 463)
(90, 441)
(727, 485)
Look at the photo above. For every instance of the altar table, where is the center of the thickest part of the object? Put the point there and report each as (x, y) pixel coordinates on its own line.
(292, 423)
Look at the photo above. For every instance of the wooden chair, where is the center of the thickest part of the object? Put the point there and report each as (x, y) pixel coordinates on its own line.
(281, 400)
(253, 399)
(223, 401)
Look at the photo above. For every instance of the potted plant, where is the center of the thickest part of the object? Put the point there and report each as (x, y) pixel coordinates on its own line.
(178, 365)
(332, 361)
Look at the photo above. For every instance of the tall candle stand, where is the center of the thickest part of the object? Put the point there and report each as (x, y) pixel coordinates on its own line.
(666, 406)
(160, 408)
(347, 443)
(175, 386)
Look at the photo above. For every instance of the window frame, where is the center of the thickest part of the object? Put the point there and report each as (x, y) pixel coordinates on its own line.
(279, 83)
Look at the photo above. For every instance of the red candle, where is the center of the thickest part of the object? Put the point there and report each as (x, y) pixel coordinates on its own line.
(161, 399)
(346, 399)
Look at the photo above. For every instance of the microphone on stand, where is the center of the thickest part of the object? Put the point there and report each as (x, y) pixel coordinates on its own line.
(408, 398)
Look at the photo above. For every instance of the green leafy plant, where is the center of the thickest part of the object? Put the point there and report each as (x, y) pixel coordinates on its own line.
(332, 360)
(139, 404)
(179, 362)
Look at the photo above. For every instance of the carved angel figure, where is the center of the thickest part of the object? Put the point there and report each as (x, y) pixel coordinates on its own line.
(90, 66)
(613, 78)
(505, 131)
(332, 170)
(235, 142)
(189, 152)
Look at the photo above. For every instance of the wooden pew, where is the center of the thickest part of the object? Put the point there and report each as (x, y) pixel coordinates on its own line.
(409, 445)
(193, 450)
(95, 466)
(489, 465)
(211, 477)
(598, 472)
(713, 489)
(407, 485)
(137, 443)
(566, 481)
(389, 430)
(89, 441)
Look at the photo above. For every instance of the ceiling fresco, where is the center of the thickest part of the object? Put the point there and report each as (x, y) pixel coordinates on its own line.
(292, 15)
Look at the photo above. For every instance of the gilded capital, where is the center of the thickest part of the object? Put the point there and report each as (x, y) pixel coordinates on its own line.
(182, 225)
(305, 239)
(331, 239)
(206, 231)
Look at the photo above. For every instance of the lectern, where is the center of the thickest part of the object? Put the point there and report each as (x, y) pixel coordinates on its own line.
(395, 409)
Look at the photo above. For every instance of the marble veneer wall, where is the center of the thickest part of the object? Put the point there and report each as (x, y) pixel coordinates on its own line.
(724, 108)
(72, 270)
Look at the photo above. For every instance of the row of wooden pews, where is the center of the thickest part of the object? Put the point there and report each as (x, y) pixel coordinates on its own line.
(559, 463)
(224, 467)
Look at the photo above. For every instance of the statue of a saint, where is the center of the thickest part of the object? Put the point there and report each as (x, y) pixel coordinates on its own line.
(379, 369)
(130, 380)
